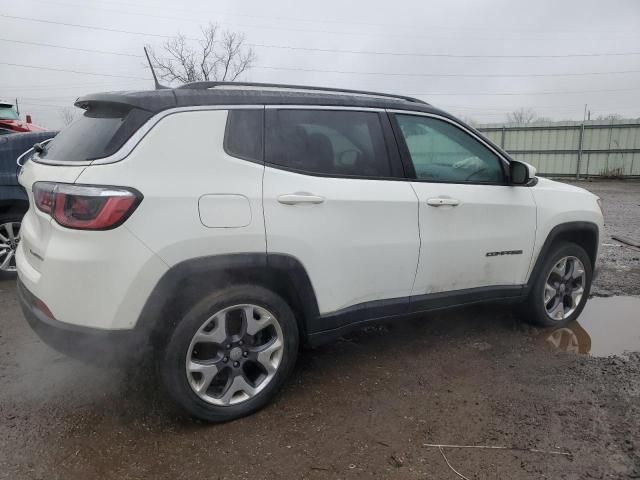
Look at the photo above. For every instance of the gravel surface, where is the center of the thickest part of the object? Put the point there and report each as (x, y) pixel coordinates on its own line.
(362, 407)
(619, 272)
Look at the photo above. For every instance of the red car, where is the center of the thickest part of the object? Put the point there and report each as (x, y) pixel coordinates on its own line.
(10, 121)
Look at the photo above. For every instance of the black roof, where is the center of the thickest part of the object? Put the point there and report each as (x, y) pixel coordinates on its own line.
(148, 102)
(215, 93)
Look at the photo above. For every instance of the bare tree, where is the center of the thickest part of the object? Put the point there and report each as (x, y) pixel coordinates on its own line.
(220, 55)
(67, 115)
(470, 121)
(612, 117)
(522, 116)
(539, 120)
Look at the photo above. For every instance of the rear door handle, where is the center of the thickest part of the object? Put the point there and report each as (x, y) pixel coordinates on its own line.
(440, 201)
(296, 198)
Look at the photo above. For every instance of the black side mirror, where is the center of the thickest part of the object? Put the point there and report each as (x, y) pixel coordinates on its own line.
(519, 173)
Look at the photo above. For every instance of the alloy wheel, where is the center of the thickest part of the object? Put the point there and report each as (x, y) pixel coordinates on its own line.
(9, 239)
(234, 355)
(564, 288)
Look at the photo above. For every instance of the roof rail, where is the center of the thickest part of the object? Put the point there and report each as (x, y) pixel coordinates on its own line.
(213, 84)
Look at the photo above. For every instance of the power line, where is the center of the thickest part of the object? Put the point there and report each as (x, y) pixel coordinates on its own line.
(438, 55)
(65, 86)
(330, 50)
(333, 32)
(473, 75)
(477, 109)
(303, 20)
(267, 27)
(351, 72)
(564, 92)
(323, 21)
(89, 27)
(72, 71)
(89, 50)
(415, 94)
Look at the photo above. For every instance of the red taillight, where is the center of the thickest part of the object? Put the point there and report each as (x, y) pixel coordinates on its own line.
(44, 198)
(85, 207)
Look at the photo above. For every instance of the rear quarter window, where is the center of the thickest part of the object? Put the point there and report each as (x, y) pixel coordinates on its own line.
(244, 134)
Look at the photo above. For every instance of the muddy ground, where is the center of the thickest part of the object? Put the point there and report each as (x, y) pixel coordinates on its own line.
(619, 272)
(362, 407)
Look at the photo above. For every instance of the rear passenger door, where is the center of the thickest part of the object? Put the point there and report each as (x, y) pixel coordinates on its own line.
(335, 198)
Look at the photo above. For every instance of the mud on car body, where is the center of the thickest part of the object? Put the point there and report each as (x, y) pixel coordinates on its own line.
(218, 227)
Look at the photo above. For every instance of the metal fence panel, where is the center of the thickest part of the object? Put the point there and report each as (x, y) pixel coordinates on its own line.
(592, 148)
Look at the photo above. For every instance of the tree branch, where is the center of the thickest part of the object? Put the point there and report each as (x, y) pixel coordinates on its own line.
(216, 59)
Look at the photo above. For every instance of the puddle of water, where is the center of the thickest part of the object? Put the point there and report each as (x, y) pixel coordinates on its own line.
(607, 326)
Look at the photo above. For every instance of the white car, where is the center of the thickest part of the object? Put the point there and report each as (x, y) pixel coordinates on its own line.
(218, 227)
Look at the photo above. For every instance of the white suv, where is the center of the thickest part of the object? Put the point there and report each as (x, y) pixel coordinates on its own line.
(221, 226)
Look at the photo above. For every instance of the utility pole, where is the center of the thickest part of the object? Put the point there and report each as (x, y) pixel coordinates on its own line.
(580, 139)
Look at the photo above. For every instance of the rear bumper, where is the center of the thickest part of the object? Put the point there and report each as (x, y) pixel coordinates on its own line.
(92, 345)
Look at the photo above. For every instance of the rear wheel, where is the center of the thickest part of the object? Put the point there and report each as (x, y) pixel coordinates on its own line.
(561, 290)
(9, 239)
(230, 353)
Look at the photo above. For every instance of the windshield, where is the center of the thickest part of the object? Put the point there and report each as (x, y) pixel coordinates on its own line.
(8, 113)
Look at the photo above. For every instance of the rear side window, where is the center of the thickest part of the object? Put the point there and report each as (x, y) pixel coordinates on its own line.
(100, 132)
(327, 142)
(244, 135)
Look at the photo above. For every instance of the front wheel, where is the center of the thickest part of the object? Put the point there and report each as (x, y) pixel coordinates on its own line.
(230, 353)
(560, 292)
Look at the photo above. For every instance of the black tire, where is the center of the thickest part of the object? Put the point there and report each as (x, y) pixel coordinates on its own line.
(9, 217)
(173, 357)
(533, 308)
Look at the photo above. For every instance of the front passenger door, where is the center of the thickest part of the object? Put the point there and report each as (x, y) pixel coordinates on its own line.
(476, 231)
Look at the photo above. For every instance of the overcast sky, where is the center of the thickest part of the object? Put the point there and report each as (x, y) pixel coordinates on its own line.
(492, 56)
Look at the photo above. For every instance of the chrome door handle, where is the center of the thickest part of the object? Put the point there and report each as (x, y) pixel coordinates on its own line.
(296, 198)
(440, 201)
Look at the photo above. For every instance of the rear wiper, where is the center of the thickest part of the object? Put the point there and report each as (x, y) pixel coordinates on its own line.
(37, 147)
(41, 147)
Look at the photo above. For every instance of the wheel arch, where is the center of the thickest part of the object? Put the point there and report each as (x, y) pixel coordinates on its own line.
(584, 234)
(187, 282)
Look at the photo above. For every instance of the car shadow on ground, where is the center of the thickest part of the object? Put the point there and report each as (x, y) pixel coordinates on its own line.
(432, 338)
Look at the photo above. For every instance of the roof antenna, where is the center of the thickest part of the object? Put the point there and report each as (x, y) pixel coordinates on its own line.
(157, 84)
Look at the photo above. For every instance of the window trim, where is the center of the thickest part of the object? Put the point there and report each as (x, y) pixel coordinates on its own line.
(406, 156)
(226, 136)
(393, 153)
